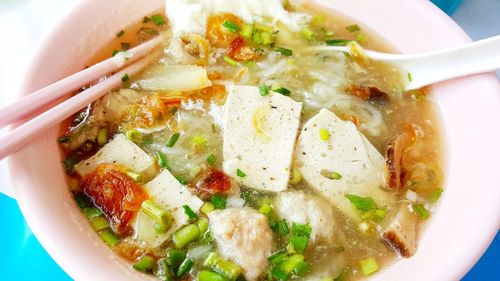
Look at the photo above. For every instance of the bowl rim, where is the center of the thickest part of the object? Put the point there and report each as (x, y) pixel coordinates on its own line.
(50, 244)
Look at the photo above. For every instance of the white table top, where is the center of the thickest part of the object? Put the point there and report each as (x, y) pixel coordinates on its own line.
(23, 23)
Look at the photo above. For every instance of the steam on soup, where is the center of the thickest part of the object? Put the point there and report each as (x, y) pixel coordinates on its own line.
(243, 153)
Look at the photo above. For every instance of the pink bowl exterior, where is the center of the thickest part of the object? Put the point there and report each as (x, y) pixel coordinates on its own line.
(466, 219)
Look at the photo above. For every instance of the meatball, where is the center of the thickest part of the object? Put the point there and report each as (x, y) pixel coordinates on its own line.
(243, 236)
(298, 207)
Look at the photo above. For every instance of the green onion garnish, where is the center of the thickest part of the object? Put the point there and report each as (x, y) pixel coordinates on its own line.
(185, 267)
(91, 213)
(135, 176)
(324, 135)
(162, 159)
(125, 77)
(362, 203)
(281, 227)
(222, 266)
(281, 90)
(308, 34)
(285, 52)
(163, 219)
(205, 275)
(99, 223)
(185, 235)
(207, 208)
(218, 201)
(231, 26)
(211, 159)
(353, 28)
(158, 20)
(337, 42)
(102, 136)
(299, 236)
(421, 211)
(175, 258)
(368, 266)
(264, 90)
(247, 31)
(409, 77)
(173, 139)
(114, 52)
(334, 176)
(181, 180)
(109, 237)
(189, 212)
(120, 33)
(230, 61)
(240, 173)
(145, 264)
(436, 194)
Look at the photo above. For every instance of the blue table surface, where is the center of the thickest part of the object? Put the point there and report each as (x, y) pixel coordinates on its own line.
(23, 258)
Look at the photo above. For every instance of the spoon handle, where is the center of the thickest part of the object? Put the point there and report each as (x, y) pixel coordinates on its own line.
(428, 68)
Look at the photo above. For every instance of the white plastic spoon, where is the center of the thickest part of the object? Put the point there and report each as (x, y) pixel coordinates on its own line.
(428, 68)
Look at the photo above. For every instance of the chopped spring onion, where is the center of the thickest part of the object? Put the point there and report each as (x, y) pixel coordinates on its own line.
(198, 141)
(91, 213)
(99, 223)
(296, 176)
(173, 139)
(158, 20)
(135, 176)
(364, 204)
(264, 90)
(231, 26)
(125, 77)
(240, 173)
(120, 33)
(162, 159)
(307, 33)
(335, 176)
(281, 227)
(181, 180)
(283, 51)
(299, 237)
(185, 235)
(291, 262)
(114, 53)
(82, 201)
(266, 209)
(185, 267)
(109, 237)
(162, 218)
(410, 78)
(102, 136)
(218, 201)
(247, 31)
(207, 208)
(224, 267)
(436, 194)
(230, 61)
(175, 258)
(189, 212)
(277, 258)
(281, 90)
(376, 215)
(134, 135)
(205, 275)
(337, 42)
(202, 226)
(353, 28)
(211, 159)
(278, 274)
(368, 266)
(324, 135)
(145, 264)
(421, 211)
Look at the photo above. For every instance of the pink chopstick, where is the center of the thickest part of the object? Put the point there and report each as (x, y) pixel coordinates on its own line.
(25, 133)
(29, 104)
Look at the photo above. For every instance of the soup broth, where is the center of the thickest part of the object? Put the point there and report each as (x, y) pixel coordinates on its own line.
(182, 130)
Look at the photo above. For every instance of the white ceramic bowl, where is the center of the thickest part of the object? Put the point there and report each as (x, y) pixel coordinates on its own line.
(466, 219)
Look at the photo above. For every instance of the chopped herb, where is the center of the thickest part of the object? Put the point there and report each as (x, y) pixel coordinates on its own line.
(353, 28)
(240, 173)
(120, 33)
(219, 202)
(334, 176)
(181, 180)
(102, 136)
(158, 20)
(421, 211)
(173, 139)
(198, 141)
(148, 30)
(247, 31)
(308, 34)
(368, 266)
(436, 194)
(324, 135)
(299, 237)
(285, 52)
(135, 176)
(125, 46)
(162, 159)
(364, 204)
(410, 78)
(114, 52)
(207, 208)
(281, 227)
(211, 159)
(186, 235)
(230, 61)
(109, 237)
(64, 139)
(336, 42)
(146, 20)
(264, 90)
(231, 26)
(189, 212)
(145, 264)
(185, 267)
(125, 77)
(360, 38)
(281, 90)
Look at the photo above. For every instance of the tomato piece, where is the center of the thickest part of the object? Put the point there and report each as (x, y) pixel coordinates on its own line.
(117, 195)
(235, 46)
(213, 181)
